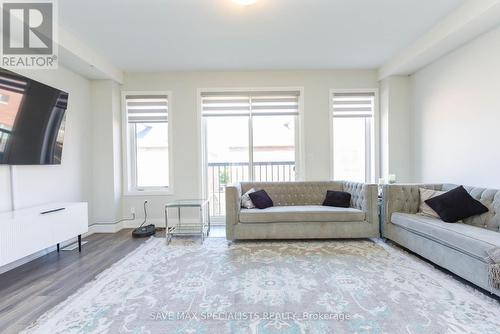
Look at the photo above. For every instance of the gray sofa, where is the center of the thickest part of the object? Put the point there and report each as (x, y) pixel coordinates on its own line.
(298, 213)
(459, 247)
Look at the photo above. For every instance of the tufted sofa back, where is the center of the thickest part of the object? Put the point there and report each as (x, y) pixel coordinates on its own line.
(410, 200)
(295, 193)
(491, 199)
(406, 198)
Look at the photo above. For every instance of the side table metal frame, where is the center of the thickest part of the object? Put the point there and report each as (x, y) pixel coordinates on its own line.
(177, 229)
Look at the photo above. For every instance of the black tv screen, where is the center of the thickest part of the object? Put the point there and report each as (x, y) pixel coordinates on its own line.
(32, 118)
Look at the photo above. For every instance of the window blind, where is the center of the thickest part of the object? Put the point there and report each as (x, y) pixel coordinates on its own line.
(62, 101)
(147, 108)
(12, 85)
(250, 103)
(353, 104)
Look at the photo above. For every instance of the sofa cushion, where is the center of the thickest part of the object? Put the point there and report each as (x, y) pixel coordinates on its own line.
(261, 199)
(424, 208)
(340, 199)
(302, 213)
(455, 205)
(246, 201)
(468, 239)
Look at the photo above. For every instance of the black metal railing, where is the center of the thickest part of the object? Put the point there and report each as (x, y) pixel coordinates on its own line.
(221, 174)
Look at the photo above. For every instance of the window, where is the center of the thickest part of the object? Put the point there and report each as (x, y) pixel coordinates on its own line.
(147, 137)
(248, 136)
(353, 133)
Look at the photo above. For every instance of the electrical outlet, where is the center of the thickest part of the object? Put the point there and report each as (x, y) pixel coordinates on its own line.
(132, 210)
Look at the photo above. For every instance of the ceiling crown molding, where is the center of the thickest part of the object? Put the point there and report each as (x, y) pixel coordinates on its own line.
(467, 22)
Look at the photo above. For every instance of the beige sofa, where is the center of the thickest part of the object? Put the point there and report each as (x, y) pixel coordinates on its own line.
(298, 214)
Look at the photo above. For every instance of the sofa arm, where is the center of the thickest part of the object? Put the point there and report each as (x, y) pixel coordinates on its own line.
(403, 198)
(233, 206)
(364, 197)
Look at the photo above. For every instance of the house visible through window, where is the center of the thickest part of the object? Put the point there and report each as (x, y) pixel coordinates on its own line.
(353, 114)
(147, 142)
(249, 136)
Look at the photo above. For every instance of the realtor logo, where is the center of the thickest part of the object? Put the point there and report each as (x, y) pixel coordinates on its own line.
(28, 34)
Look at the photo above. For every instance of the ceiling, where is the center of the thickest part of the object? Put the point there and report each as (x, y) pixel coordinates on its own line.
(154, 35)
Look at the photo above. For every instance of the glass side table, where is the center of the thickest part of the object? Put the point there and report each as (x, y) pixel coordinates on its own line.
(190, 228)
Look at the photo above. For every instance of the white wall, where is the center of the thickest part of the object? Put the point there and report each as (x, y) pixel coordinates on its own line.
(106, 151)
(395, 128)
(456, 116)
(66, 182)
(186, 134)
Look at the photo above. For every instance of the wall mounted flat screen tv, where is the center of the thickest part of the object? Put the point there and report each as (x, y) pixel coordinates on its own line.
(32, 117)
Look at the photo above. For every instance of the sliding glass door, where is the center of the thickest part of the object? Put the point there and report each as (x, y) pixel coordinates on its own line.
(274, 148)
(248, 136)
(227, 156)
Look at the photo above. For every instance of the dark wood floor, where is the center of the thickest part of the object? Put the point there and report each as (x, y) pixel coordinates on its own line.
(30, 290)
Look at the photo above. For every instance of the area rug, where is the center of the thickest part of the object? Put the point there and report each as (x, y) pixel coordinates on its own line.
(272, 287)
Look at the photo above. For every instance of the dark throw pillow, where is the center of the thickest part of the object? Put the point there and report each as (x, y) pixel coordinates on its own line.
(456, 205)
(261, 199)
(337, 198)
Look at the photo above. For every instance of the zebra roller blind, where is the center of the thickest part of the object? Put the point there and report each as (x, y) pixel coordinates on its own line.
(147, 108)
(250, 103)
(353, 104)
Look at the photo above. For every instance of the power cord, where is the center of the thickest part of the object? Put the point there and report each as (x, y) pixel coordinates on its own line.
(125, 219)
(145, 214)
(133, 216)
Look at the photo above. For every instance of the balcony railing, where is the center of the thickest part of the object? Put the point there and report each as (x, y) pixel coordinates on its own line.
(221, 174)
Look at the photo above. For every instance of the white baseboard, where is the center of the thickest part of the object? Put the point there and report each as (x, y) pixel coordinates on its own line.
(105, 227)
(158, 222)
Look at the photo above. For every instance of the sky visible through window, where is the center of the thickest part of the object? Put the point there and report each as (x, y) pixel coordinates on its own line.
(273, 139)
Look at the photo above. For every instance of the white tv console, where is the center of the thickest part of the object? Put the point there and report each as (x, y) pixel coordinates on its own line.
(28, 231)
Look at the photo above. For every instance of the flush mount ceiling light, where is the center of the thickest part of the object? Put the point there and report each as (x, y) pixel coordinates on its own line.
(244, 2)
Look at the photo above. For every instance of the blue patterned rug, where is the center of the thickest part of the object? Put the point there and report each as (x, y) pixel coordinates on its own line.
(272, 287)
